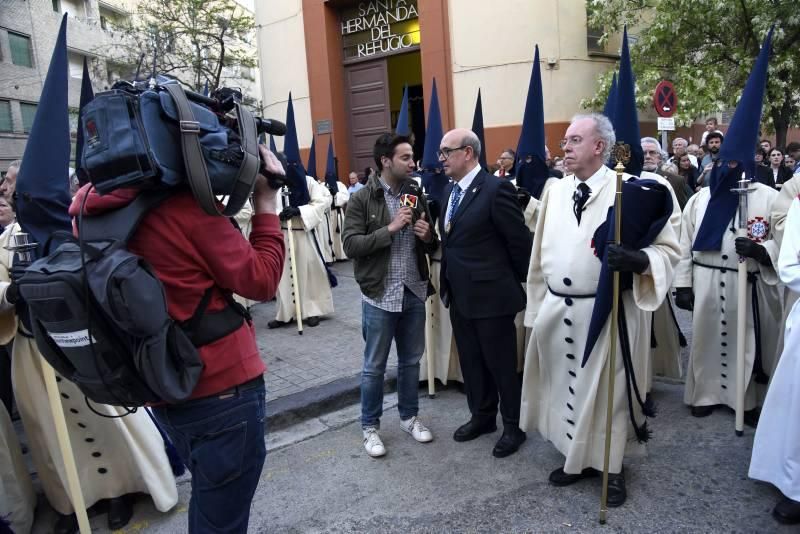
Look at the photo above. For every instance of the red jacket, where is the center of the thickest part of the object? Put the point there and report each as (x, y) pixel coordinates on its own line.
(190, 251)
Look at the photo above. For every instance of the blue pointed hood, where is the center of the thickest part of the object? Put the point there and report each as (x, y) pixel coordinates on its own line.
(736, 156)
(531, 165)
(331, 179)
(625, 118)
(87, 95)
(477, 128)
(43, 182)
(403, 127)
(311, 168)
(434, 179)
(295, 173)
(611, 100)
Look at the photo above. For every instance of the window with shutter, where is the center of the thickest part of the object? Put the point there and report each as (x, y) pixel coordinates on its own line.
(20, 49)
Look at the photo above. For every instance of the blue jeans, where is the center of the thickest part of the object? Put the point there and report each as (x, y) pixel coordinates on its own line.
(221, 441)
(378, 328)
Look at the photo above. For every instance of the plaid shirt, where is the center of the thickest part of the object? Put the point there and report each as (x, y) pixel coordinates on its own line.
(403, 270)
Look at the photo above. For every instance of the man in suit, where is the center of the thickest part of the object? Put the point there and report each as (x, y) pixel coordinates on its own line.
(485, 252)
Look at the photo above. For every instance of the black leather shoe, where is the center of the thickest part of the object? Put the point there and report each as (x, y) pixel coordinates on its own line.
(66, 524)
(277, 324)
(473, 429)
(616, 489)
(787, 512)
(312, 321)
(559, 478)
(751, 417)
(509, 442)
(702, 411)
(120, 512)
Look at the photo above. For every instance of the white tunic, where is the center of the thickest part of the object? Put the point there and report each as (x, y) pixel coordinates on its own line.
(776, 449)
(315, 292)
(566, 403)
(114, 457)
(337, 221)
(780, 208)
(17, 499)
(711, 373)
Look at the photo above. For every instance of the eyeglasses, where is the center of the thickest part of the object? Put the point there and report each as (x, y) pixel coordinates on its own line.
(445, 152)
(505, 157)
(575, 140)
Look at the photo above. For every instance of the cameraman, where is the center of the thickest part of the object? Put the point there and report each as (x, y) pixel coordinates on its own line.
(219, 432)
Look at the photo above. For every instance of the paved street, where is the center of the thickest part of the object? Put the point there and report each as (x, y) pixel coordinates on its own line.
(318, 479)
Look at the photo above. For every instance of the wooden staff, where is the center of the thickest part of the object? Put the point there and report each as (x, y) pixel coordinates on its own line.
(741, 313)
(621, 154)
(293, 264)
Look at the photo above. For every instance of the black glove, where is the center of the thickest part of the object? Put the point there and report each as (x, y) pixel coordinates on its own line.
(684, 298)
(523, 197)
(288, 213)
(626, 260)
(18, 270)
(12, 293)
(750, 249)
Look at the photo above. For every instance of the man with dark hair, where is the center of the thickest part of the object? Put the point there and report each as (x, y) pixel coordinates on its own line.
(485, 251)
(712, 145)
(387, 233)
(793, 150)
(766, 145)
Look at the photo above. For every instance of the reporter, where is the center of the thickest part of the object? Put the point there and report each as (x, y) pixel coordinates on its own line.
(219, 432)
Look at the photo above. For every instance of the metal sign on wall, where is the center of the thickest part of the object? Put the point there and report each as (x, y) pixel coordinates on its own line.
(379, 27)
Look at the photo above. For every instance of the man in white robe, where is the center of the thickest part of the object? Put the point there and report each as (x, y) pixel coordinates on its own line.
(780, 208)
(115, 457)
(316, 298)
(712, 276)
(17, 499)
(776, 449)
(565, 402)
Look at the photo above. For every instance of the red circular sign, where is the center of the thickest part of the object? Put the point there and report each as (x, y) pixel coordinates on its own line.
(664, 99)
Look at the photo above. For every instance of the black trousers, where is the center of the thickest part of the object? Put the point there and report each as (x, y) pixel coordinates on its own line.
(487, 352)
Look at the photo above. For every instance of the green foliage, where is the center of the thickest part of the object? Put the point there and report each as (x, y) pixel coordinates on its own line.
(192, 39)
(706, 48)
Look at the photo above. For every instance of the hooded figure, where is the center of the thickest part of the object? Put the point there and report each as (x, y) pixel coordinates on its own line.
(340, 197)
(438, 330)
(323, 232)
(477, 128)
(532, 174)
(706, 278)
(308, 202)
(115, 456)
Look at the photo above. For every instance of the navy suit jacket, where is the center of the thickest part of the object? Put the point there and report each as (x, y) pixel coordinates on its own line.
(485, 255)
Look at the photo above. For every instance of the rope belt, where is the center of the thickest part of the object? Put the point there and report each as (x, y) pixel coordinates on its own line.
(760, 376)
(576, 296)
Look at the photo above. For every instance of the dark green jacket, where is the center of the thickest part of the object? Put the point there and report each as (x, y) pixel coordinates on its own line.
(367, 240)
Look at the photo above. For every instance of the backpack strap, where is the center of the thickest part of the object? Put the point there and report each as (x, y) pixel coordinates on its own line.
(119, 225)
(195, 163)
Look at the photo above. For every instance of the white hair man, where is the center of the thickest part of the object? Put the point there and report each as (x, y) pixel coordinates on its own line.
(679, 148)
(564, 400)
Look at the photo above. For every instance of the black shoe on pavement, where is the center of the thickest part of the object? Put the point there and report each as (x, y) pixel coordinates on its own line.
(473, 429)
(120, 512)
(277, 324)
(616, 489)
(66, 524)
(787, 512)
(559, 478)
(312, 321)
(702, 411)
(509, 442)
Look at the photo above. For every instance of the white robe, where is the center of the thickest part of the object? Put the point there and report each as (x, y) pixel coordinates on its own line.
(244, 219)
(114, 457)
(665, 357)
(337, 221)
(17, 499)
(711, 373)
(780, 208)
(315, 292)
(776, 448)
(566, 403)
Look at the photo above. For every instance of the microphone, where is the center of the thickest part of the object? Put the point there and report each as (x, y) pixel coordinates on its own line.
(270, 126)
(410, 200)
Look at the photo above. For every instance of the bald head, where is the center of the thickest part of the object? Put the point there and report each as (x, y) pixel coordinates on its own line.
(459, 152)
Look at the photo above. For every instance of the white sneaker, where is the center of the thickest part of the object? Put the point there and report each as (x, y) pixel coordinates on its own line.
(373, 443)
(415, 427)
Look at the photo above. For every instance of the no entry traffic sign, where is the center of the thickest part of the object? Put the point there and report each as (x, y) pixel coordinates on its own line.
(664, 99)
